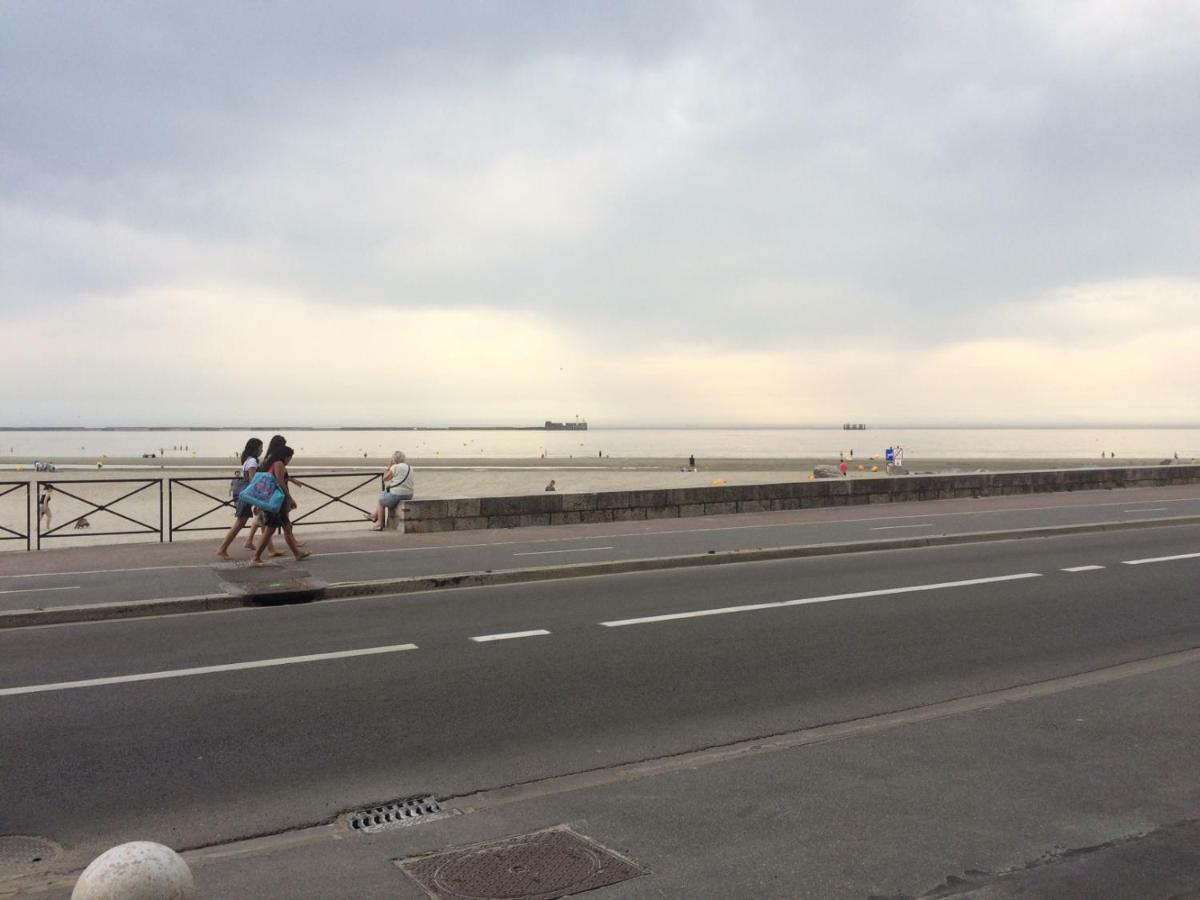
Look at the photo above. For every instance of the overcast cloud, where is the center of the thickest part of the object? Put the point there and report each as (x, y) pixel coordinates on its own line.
(687, 213)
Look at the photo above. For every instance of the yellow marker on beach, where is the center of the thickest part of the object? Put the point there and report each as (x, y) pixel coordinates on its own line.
(718, 481)
(874, 468)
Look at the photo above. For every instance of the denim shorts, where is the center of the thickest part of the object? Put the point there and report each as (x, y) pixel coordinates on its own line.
(388, 500)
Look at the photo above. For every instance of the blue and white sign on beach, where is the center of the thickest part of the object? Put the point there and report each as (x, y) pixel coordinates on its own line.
(889, 455)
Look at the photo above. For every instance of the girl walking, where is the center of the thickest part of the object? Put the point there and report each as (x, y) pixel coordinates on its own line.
(243, 511)
(276, 463)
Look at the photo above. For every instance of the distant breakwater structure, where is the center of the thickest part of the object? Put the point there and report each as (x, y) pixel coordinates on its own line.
(548, 426)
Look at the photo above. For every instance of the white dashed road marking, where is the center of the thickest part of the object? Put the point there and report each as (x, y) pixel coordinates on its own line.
(73, 587)
(203, 670)
(806, 600)
(484, 638)
(548, 552)
(891, 527)
(1083, 568)
(1158, 559)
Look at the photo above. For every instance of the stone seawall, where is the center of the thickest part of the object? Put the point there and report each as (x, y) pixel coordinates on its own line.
(422, 516)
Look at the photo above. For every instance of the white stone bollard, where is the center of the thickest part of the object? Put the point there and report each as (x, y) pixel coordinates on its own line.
(139, 870)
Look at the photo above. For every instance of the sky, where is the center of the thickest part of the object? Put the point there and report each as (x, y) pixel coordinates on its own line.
(669, 213)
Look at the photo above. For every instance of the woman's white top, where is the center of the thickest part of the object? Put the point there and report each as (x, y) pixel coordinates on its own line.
(403, 481)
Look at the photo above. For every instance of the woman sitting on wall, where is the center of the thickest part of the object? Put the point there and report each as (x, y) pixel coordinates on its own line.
(397, 487)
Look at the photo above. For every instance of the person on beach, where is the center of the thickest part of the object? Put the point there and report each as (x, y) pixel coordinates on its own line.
(692, 462)
(550, 486)
(243, 512)
(398, 485)
(44, 504)
(842, 467)
(276, 463)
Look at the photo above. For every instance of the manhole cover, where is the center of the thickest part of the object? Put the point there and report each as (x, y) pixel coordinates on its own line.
(21, 850)
(539, 866)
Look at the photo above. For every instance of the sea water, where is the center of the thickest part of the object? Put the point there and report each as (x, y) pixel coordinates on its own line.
(636, 443)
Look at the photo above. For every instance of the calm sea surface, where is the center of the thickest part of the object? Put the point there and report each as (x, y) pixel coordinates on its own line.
(673, 444)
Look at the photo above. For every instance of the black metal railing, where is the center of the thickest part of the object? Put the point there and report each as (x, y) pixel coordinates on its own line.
(362, 479)
(334, 497)
(215, 502)
(80, 522)
(203, 487)
(11, 534)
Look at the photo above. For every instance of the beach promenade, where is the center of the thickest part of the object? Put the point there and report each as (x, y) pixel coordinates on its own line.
(918, 699)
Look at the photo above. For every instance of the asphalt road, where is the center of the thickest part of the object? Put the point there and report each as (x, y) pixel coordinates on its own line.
(628, 668)
(24, 587)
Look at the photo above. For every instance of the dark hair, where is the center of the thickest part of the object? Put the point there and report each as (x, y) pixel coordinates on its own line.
(282, 453)
(252, 449)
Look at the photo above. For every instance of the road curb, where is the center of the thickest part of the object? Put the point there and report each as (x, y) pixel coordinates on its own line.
(100, 612)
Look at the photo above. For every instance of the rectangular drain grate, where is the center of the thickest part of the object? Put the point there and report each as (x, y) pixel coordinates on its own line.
(539, 866)
(396, 813)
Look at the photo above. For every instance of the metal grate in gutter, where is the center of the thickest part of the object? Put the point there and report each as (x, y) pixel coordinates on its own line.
(396, 814)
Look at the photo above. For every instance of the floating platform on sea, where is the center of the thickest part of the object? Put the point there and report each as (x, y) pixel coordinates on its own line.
(854, 426)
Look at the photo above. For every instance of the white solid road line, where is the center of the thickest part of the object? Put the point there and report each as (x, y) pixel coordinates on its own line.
(806, 600)
(1156, 559)
(73, 587)
(890, 527)
(1083, 568)
(547, 552)
(203, 670)
(1153, 509)
(484, 638)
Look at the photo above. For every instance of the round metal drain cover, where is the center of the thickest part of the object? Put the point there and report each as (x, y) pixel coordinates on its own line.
(18, 850)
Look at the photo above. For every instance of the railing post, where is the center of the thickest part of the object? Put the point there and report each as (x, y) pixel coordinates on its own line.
(28, 526)
(37, 484)
(161, 524)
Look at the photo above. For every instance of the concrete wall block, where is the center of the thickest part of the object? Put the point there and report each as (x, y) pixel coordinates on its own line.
(426, 509)
(577, 502)
(463, 507)
(629, 514)
(565, 518)
(470, 523)
(427, 526)
(613, 500)
(662, 512)
(702, 495)
(503, 521)
(591, 516)
(534, 519)
(648, 498)
(879, 498)
(690, 509)
(720, 509)
(754, 506)
(521, 506)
